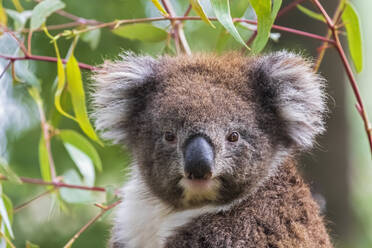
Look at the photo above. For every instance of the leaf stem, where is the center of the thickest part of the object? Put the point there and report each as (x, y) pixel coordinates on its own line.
(25, 204)
(56, 184)
(90, 222)
(47, 59)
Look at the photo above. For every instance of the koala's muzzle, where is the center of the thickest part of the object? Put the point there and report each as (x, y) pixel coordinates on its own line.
(199, 158)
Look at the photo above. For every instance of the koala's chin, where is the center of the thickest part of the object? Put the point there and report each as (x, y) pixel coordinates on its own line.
(213, 140)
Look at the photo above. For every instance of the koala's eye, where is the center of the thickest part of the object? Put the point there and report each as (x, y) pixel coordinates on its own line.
(169, 136)
(233, 137)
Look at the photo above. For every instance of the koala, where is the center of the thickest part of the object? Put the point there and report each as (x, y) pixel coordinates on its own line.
(213, 140)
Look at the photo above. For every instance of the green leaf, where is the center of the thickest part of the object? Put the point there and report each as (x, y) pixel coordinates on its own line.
(142, 31)
(6, 213)
(44, 161)
(76, 89)
(239, 7)
(19, 18)
(354, 36)
(80, 142)
(160, 7)
(23, 72)
(265, 19)
(17, 5)
(31, 245)
(43, 10)
(9, 173)
(92, 38)
(75, 195)
(61, 82)
(111, 197)
(3, 17)
(222, 11)
(200, 12)
(311, 13)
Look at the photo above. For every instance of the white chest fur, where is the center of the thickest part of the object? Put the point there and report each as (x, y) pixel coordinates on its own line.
(142, 221)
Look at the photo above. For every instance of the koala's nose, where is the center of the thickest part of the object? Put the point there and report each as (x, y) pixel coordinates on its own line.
(199, 158)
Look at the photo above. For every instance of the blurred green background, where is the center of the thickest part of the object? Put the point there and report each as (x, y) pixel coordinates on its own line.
(339, 170)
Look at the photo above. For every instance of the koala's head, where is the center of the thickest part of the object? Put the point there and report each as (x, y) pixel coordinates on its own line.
(207, 129)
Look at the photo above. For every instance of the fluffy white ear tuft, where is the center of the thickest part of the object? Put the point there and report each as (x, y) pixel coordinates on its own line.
(298, 93)
(114, 96)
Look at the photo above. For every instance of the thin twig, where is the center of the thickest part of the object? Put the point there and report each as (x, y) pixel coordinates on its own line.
(177, 27)
(19, 42)
(289, 7)
(5, 69)
(45, 58)
(349, 72)
(25, 204)
(56, 184)
(90, 222)
(45, 130)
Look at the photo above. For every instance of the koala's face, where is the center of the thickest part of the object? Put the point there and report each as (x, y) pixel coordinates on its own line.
(206, 129)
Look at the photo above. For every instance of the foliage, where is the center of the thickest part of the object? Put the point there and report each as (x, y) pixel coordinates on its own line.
(19, 24)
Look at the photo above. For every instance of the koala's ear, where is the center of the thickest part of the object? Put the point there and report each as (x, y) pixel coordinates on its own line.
(119, 93)
(288, 87)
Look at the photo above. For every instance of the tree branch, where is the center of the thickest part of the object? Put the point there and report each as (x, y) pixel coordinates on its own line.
(90, 222)
(56, 184)
(45, 58)
(349, 72)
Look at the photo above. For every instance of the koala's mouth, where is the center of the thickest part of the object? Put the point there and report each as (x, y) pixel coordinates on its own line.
(197, 191)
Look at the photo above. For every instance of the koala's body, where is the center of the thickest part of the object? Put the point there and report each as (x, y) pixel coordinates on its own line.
(213, 139)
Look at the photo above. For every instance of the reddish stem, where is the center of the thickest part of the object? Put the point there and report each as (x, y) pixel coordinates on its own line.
(56, 184)
(47, 59)
(349, 72)
(289, 7)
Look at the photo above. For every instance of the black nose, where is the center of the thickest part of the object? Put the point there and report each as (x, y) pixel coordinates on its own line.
(199, 158)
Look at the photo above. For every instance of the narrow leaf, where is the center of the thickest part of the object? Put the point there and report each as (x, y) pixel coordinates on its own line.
(6, 213)
(311, 13)
(160, 7)
(80, 142)
(142, 31)
(61, 82)
(200, 12)
(9, 173)
(75, 195)
(17, 5)
(3, 17)
(265, 19)
(31, 245)
(222, 11)
(76, 89)
(19, 18)
(354, 36)
(43, 10)
(92, 38)
(44, 160)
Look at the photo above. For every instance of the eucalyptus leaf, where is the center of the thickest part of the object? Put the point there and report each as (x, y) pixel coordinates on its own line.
(80, 142)
(42, 10)
(31, 245)
(265, 19)
(44, 161)
(310, 13)
(3, 17)
(92, 38)
(9, 173)
(6, 213)
(200, 12)
(142, 31)
(351, 18)
(76, 89)
(222, 11)
(75, 195)
(19, 18)
(159, 7)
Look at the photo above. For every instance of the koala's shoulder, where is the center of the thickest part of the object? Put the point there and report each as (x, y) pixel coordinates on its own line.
(281, 214)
